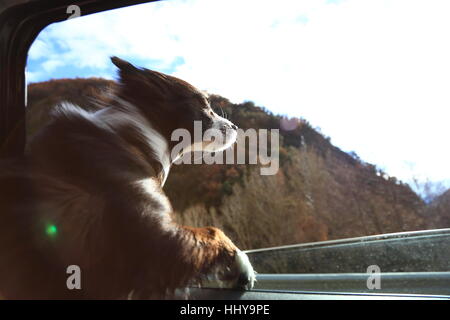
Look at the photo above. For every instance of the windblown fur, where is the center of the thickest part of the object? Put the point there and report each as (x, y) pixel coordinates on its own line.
(97, 179)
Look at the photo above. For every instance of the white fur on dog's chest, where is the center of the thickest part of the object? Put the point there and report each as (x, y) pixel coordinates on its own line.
(152, 187)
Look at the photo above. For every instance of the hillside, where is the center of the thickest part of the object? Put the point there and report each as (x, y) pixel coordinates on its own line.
(319, 193)
(439, 210)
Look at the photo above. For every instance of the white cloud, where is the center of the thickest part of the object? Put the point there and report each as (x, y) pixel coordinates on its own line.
(372, 74)
(39, 49)
(51, 64)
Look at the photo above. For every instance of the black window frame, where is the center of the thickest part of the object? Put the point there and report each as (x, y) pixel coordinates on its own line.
(20, 23)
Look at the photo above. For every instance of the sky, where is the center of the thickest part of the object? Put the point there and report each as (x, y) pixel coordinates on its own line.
(373, 75)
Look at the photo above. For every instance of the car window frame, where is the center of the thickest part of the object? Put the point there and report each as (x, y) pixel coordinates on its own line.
(20, 23)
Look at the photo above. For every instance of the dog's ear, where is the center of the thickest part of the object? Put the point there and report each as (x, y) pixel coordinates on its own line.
(122, 64)
(152, 84)
(136, 81)
(127, 71)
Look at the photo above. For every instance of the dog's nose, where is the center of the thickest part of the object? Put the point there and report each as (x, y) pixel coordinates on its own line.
(234, 127)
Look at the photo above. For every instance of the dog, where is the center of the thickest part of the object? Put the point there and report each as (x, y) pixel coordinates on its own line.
(89, 194)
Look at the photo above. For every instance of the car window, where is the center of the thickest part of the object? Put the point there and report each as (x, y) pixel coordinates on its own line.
(341, 107)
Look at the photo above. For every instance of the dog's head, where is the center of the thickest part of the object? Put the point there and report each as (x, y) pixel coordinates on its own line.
(170, 103)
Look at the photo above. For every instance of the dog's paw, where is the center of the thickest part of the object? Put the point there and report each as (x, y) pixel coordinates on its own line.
(230, 267)
(247, 276)
(237, 275)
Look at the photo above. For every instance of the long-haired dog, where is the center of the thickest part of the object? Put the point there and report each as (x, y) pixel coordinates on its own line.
(89, 194)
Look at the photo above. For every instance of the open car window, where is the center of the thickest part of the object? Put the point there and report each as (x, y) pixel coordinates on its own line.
(316, 81)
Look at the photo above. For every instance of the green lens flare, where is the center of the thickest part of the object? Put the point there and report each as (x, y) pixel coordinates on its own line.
(51, 230)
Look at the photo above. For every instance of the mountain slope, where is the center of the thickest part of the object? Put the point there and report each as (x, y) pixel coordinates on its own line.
(438, 211)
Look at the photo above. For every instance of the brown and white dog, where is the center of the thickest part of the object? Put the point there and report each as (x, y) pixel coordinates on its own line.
(89, 193)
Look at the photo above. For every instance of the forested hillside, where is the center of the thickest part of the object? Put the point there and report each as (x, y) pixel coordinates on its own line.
(319, 193)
